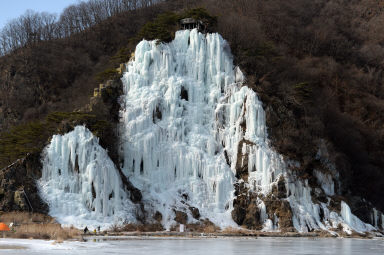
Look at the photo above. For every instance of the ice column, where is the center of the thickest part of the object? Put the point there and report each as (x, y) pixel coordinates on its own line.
(171, 142)
(80, 182)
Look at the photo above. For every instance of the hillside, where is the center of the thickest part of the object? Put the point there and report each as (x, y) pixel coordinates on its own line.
(317, 68)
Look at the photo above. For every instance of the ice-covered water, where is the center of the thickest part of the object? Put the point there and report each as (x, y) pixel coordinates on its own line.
(187, 122)
(219, 246)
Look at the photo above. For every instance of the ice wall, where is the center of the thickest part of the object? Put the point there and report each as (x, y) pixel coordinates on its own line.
(185, 115)
(188, 121)
(81, 184)
(172, 139)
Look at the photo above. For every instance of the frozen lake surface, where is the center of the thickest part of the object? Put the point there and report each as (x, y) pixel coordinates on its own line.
(220, 246)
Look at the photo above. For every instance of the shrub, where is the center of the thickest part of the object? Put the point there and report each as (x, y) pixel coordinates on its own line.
(161, 29)
(164, 26)
(107, 74)
(200, 14)
(303, 92)
(33, 136)
(122, 56)
(20, 140)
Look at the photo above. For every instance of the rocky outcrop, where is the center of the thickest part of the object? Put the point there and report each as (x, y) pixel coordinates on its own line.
(18, 188)
(245, 212)
(181, 217)
(195, 212)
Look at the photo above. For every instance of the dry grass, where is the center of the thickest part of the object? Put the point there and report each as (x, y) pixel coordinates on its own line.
(50, 231)
(138, 228)
(25, 218)
(204, 226)
(210, 229)
(236, 231)
(38, 226)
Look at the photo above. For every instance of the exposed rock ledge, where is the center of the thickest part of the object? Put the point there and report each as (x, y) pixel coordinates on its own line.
(18, 188)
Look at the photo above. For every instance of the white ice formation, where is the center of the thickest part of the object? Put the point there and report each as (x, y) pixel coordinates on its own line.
(81, 184)
(173, 128)
(187, 120)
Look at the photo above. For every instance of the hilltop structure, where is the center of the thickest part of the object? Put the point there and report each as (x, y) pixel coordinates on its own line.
(191, 23)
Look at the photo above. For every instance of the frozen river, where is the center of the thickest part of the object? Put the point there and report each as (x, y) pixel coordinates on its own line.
(220, 246)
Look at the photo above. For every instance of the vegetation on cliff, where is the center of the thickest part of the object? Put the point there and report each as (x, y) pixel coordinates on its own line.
(164, 26)
(31, 137)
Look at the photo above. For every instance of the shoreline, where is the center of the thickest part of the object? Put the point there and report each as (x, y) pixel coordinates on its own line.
(42, 227)
(190, 236)
(201, 235)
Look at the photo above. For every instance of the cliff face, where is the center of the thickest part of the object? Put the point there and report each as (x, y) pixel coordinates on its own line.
(59, 75)
(320, 83)
(18, 188)
(193, 139)
(319, 97)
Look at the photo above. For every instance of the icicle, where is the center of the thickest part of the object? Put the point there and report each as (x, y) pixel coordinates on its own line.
(352, 221)
(91, 195)
(206, 114)
(187, 122)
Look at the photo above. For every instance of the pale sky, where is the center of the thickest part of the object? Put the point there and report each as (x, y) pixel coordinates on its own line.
(10, 9)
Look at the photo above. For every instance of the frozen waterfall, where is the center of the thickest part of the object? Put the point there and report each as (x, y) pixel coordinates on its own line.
(81, 184)
(186, 119)
(173, 139)
(187, 122)
(186, 112)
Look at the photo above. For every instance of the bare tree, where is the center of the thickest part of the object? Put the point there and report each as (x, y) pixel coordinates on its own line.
(33, 27)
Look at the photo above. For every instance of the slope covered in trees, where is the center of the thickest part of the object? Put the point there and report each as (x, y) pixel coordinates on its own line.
(317, 66)
(45, 72)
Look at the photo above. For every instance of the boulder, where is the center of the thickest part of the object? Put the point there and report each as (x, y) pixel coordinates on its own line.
(181, 217)
(158, 216)
(195, 212)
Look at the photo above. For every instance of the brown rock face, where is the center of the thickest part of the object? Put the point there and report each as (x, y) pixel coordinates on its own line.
(18, 189)
(242, 160)
(158, 216)
(19, 199)
(245, 211)
(252, 217)
(281, 209)
(181, 217)
(279, 190)
(240, 204)
(238, 214)
(195, 212)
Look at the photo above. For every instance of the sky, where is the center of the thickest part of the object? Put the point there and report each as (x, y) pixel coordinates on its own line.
(10, 9)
